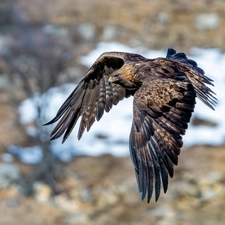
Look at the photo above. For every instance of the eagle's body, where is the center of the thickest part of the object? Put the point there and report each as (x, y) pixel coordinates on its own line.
(164, 91)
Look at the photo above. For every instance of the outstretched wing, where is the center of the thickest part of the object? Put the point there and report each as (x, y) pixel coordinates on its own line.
(162, 109)
(92, 96)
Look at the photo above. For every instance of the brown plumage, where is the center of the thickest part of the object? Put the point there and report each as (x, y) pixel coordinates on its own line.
(164, 91)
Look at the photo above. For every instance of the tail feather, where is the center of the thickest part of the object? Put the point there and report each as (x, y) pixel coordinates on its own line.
(197, 77)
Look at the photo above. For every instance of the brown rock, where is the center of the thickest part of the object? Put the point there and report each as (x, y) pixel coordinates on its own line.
(196, 121)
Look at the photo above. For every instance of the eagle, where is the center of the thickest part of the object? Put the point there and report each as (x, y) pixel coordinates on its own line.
(164, 94)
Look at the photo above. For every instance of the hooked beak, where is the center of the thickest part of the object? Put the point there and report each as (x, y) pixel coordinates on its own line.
(112, 79)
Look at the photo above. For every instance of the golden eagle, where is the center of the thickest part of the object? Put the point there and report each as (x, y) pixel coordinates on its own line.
(164, 90)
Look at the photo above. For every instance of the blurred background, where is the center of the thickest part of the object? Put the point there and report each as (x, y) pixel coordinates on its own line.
(46, 47)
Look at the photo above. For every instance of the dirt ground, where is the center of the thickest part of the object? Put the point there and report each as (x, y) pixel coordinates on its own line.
(103, 190)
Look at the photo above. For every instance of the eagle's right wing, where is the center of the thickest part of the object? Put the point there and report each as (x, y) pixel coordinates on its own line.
(161, 111)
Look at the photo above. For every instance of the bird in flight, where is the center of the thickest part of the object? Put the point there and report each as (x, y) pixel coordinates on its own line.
(164, 91)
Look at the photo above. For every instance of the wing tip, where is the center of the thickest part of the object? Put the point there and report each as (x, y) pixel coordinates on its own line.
(149, 197)
(50, 122)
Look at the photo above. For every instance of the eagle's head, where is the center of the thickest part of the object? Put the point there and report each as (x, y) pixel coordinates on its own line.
(125, 76)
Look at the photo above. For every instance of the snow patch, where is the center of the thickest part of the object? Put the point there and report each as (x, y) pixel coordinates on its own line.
(115, 126)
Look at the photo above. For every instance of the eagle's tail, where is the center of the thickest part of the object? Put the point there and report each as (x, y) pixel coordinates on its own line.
(197, 77)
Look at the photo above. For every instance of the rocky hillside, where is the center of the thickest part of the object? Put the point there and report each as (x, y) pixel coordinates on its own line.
(101, 190)
(76, 26)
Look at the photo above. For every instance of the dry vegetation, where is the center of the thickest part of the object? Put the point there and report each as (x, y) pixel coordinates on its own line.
(102, 190)
(140, 19)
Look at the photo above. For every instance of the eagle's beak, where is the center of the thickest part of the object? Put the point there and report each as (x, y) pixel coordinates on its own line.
(112, 79)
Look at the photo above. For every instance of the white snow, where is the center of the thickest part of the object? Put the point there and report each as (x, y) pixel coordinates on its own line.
(115, 126)
(31, 155)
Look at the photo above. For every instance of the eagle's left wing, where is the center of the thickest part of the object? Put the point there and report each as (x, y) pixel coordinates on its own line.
(91, 97)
